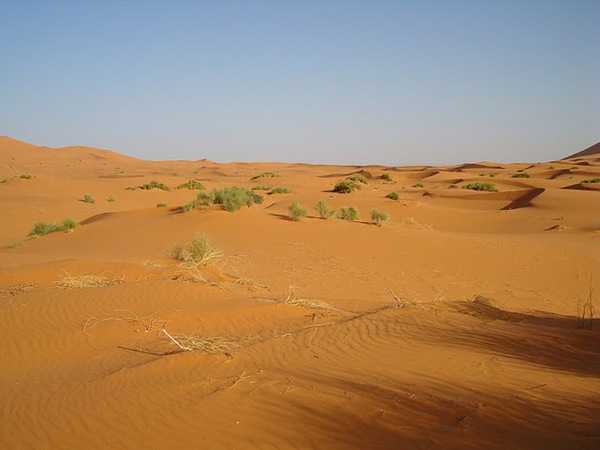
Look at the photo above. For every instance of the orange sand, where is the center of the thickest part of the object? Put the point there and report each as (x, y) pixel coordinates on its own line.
(91, 368)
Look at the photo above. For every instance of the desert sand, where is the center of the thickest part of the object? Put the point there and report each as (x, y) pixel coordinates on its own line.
(455, 324)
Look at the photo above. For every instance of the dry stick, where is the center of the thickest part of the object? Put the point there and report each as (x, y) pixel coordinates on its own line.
(399, 303)
(188, 349)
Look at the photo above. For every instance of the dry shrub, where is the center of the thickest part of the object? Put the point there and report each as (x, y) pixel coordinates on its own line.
(69, 281)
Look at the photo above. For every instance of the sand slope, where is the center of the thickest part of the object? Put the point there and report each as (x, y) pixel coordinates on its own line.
(453, 325)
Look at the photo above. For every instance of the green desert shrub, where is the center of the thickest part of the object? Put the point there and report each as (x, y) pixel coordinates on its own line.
(418, 185)
(297, 211)
(378, 217)
(521, 175)
(161, 205)
(261, 188)
(152, 185)
(280, 190)
(191, 185)
(358, 179)
(323, 210)
(348, 213)
(387, 177)
(199, 252)
(346, 186)
(25, 176)
(110, 199)
(490, 187)
(593, 180)
(43, 228)
(453, 186)
(393, 196)
(233, 198)
(265, 175)
(87, 198)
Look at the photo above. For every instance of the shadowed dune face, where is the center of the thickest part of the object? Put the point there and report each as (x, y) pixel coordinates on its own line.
(464, 321)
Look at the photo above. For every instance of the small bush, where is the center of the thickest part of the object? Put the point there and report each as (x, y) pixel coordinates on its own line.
(265, 175)
(593, 180)
(199, 252)
(346, 186)
(521, 175)
(110, 199)
(87, 198)
(230, 199)
(378, 217)
(521, 170)
(323, 210)
(481, 187)
(161, 205)
(393, 196)
(68, 224)
(358, 178)
(25, 176)
(574, 168)
(418, 185)
(453, 186)
(152, 185)
(387, 177)
(348, 213)
(297, 211)
(191, 185)
(492, 175)
(280, 190)
(43, 228)
(261, 188)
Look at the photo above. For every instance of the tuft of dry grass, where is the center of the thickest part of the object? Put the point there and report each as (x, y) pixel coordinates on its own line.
(69, 281)
(200, 251)
(208, 344)
(293, 300)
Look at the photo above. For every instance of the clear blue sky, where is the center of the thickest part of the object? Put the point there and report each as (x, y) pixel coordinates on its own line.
(349, 82)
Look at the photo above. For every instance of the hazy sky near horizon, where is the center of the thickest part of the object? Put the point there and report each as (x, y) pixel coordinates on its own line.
(323, 81)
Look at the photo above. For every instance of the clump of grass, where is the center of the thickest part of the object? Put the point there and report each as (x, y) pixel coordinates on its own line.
(233, 198)
(521, 175)
(358, 179)
(378, 217)
(265, 175)
(110, 199)
(323, 210)
(208, 344)
(593, 180)
(161, 205)
(453, 186)
(25, 176)
(191, 185)
(393, 196)
(574, 168)
(199, 252)
(230, 199)
(261, 188)
(492, 175)
(348, 213)
(280, 190)
(86, 281)
(418, 185)
(88, 198)
(152, 185)
(346, 186)
(490, 187)
(297, 211)
(387, 177)
(44, 228)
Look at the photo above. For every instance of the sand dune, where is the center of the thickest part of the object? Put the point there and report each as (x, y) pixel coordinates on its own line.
(456, 324)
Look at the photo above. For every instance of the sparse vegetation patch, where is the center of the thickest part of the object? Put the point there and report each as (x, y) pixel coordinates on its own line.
(43, 228)
(593, 180)
(199, 252)
(346, 186)
(265, 175)
(490, 187)
(230, 199)
(297, 211)
(348, 213)
(387, 177)
(87, 198)
(323, 210)
(191, 185)
(25, 176)
(393, 196)
(378, 217)
(521, 175)
(280, 190)
(152, 185)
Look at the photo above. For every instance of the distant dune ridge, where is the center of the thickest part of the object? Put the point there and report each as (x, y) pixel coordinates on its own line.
(590, 151)
(456, 310)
